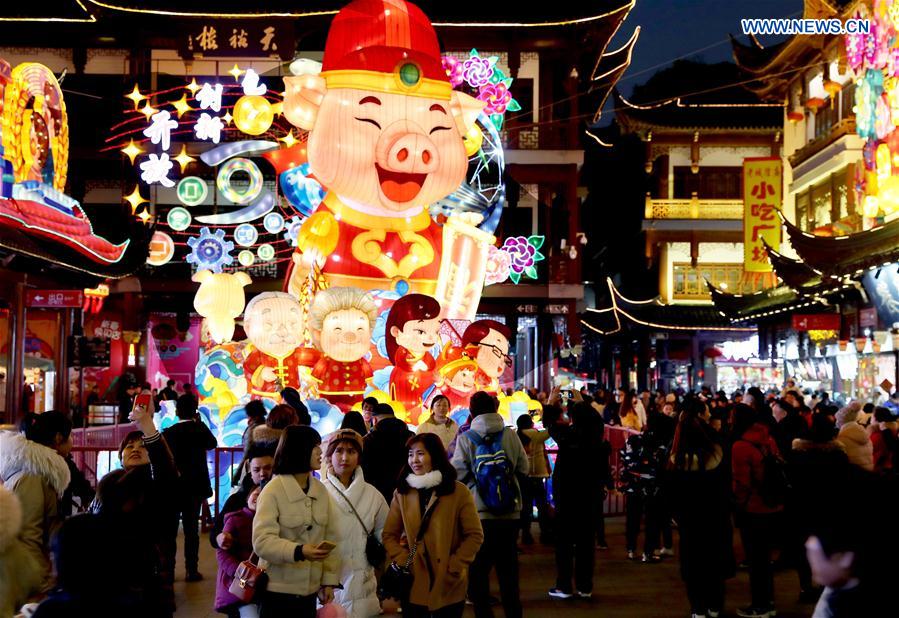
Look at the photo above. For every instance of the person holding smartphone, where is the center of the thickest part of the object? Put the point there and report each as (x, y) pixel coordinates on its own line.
(293, 530)
(135, 506)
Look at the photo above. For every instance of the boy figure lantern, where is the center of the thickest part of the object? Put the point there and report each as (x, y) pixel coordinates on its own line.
(220, 299)
(273, 322)
(412, 329)
(487, 341)
(386, 140)
(457, 376)
(341, 320)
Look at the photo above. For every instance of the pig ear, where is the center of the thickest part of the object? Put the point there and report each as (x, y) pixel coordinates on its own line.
(201, 276)
(302, 98)
(243, 278)
(465, 110)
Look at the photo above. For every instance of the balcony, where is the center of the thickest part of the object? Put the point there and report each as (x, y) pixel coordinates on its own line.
(693, 208)
(846, 127)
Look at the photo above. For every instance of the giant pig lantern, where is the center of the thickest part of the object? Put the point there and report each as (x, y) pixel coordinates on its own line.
(386, 140)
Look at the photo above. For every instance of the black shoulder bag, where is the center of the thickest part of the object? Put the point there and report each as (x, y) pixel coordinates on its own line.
(396, 583)
(374, 549)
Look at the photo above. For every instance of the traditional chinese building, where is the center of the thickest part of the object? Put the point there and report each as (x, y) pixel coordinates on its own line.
(556, 56)
(695, 149)
(821, 148)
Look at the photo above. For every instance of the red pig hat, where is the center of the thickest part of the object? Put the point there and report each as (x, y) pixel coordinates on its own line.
(385, 46)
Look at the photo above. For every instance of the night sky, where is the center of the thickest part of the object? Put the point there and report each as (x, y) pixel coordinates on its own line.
(693, 28)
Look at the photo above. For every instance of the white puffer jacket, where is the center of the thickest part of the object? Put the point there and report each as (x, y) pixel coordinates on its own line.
(359, 595)
(857, 444)
(38, 476)
(288, 517)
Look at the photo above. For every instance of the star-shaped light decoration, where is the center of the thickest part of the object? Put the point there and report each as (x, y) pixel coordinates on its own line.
(132, 150)
(236, 72)
(227, 117)
(145, 216)
(148, 111)
(193, 86)
(183, 158)
(182, 106)
(135, 96)
(289, 140)
(135, 199)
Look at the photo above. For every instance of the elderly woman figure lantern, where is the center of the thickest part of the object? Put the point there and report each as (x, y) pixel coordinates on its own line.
(386, 140)
(341, 320)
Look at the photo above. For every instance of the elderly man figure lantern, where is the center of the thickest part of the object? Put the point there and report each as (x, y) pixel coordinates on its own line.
(341, 320)
(272, 361)
(386, 141)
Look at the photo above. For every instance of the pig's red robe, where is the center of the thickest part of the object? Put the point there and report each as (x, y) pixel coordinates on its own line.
(375, 252)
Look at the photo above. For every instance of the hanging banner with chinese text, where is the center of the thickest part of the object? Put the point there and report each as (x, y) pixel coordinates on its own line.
(762, 196)
(227, 37)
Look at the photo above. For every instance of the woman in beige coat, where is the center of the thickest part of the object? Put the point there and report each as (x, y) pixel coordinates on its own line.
(294, 514)
(451, 540)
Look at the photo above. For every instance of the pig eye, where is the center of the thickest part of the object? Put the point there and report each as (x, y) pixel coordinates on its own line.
(371, 121)
(435, 129)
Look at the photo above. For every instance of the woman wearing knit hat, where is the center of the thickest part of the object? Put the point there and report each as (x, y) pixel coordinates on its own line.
(360, 511)
(854, 437)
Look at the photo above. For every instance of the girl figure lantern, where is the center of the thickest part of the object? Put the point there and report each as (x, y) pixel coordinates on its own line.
(487, 341)
(457, 376)
(341, 321)
(412, 329)
(272, 361)
(386, 140)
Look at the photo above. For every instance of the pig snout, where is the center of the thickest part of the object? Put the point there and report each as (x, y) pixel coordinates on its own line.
(407, 149)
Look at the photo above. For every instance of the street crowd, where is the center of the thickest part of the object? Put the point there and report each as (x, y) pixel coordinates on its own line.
(374, 518)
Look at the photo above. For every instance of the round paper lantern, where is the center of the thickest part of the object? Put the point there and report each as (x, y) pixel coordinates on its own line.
(253, 114)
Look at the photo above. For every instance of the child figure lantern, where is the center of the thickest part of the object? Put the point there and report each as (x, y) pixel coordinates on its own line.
(341, 321)
(386, 140)
(413, 329)
(487, 341)
(274, 323)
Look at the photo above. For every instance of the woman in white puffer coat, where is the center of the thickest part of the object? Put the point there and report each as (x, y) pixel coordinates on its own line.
(347, 486)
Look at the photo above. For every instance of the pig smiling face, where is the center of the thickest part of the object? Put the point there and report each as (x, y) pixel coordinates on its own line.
(386, 152)
(386, 149)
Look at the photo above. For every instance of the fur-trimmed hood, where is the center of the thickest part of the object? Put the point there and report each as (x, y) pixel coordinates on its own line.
(10, 518)
(267, 435)
(18, 455)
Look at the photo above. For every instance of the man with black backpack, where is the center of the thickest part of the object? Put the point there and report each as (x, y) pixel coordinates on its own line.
(487, 458)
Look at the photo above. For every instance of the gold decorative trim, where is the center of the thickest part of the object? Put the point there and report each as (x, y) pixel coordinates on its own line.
(387, 82)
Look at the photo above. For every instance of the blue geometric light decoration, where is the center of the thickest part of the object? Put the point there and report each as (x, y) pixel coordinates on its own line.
(303, 193)
(292, 228)
(210, 251)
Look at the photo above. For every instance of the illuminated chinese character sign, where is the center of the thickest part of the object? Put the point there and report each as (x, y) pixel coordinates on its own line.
(218, 37)
(762, 196)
